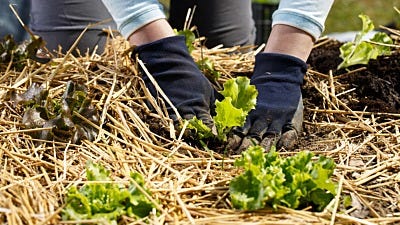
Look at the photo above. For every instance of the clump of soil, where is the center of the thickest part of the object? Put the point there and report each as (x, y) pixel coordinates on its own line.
(376, 88)
(325, 57)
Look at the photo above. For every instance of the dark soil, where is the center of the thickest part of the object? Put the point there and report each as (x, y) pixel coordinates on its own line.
(376, 88)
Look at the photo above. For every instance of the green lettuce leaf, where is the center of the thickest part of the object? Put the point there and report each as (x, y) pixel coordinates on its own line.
(190, 37)
(269, 180)
(202, 130)
(105, 200)
(360, 51)
(207, 67)
(381, 37)
(247, 191)
(239, 99)
(367, 26)
(227, 116)
(242, 93)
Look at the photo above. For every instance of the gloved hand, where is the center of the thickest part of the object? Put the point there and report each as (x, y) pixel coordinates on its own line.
(278, 115)
(169, 62)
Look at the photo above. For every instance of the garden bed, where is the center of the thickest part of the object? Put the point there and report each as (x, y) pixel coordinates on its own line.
(351, 116)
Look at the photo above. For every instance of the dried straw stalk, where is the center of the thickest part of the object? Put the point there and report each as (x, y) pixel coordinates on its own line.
(189, 185)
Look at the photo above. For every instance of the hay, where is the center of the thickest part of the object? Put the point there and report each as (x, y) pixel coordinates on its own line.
(189, 185)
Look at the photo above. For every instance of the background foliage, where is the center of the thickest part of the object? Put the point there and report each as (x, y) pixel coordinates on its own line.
(344, 14)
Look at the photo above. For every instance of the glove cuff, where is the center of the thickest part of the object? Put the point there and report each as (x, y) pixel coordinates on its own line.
(167, 56)
(162, 48)
(279, 67)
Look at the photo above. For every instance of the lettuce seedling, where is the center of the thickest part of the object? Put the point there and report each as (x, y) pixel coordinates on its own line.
(207, 67)
(106, 201)
(204, 64)
(239, 99)
(294, 182)
(58, 114)
(361, 51)
(18, 53)
(190, 37)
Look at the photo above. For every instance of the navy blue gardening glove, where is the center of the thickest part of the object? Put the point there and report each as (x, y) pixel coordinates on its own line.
(169, 62)
(278, 116)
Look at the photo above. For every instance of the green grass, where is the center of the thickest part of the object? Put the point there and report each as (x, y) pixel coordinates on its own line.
(344, 14)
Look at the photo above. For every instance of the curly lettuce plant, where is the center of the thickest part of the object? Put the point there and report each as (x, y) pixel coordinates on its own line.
(105, 201)
(360, 51)
(270, 180)
(239, 99)
(59, 115)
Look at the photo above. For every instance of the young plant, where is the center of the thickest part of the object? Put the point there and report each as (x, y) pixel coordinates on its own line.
(294, 182)
(361, 51)
(107, 201)
(207, 67)
(58, 114)
(239, 99)
(190, 37)
(204, 64)
(17, 54)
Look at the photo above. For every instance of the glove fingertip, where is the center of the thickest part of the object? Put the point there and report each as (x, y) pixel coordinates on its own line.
(234, 142)
(288, 140)
(246, 143)
(207, 120)
(268, 142)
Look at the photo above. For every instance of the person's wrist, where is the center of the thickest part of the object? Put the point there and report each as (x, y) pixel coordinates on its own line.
(151, 32)
(279, 67)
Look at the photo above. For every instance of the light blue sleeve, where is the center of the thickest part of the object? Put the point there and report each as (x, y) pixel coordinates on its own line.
(130, 15)
(307, 15)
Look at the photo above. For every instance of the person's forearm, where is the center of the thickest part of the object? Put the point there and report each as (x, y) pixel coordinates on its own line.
(296, 25)
(150, 32)
(307, 15)
(289, 40)
(139, 21)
